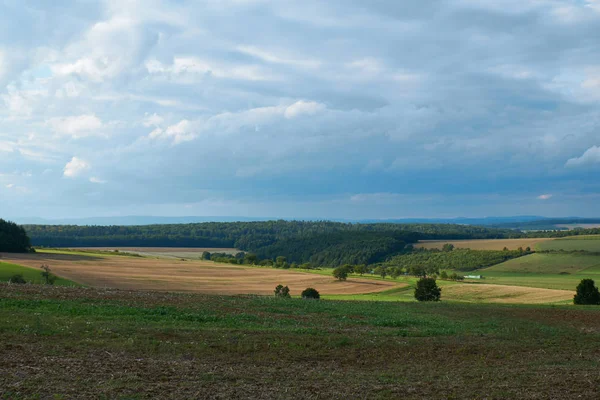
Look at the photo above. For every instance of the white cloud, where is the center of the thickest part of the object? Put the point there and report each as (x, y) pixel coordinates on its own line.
(93, 179)
(76, 167)
(591, 156)
(271, 57)
(183, 67)
(303, 108)
(546, 196)
(183, 131)
(77, 127)
(10, 186)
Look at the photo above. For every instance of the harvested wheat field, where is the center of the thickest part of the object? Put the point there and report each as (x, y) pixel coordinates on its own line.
(505, 294)
(190, 276)
(167, 252)
(483, 244)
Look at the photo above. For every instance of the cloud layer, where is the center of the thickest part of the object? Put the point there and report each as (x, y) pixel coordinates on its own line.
(299, 108)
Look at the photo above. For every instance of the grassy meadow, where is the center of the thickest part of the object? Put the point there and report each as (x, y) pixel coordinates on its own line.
(32, 275)
(64, 343)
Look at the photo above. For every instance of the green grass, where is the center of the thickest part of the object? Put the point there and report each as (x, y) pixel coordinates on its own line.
(545, 270)
(583, 243)
(91, 343)
(29, 274)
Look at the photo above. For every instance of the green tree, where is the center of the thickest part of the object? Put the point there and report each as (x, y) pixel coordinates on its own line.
(280, 262)
(340, 273)
(250, 259)
(360, 269)
(395, 272)
(448, 247)
(444, 275)
(381, 271)
(206, 255)
(282, 291)
(587, 293)
(427, 290)
(310, 293)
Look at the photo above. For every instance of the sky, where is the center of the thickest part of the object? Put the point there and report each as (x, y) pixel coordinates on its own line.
(299, 108)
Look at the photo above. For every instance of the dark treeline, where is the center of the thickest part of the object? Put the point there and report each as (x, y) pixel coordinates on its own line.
(320, 243)
(13, 238)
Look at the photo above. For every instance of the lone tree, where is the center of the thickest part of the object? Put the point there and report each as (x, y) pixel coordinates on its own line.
(282, 291)
(448, 247)
(587, 293)
(47, 275)
(427, 290)
(311, 294)
(340, 273)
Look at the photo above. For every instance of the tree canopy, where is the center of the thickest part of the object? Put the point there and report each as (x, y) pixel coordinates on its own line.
(13, 238)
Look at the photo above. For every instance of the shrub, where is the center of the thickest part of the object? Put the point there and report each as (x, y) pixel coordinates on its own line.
(17, 279)
(444, 275)
(427, 290)
(587, 293)
(340, 273)
(282, 291)
(311, 293)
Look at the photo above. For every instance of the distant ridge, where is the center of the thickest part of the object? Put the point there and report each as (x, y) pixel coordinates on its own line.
(158, 220)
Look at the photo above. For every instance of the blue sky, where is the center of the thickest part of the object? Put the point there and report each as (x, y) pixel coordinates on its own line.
(285, 108)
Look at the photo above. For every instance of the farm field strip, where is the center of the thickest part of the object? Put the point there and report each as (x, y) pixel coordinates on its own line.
(484, 244)
(165, 252)
(194, 276)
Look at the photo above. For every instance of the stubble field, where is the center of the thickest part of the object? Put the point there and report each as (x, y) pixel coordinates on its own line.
(188, 276)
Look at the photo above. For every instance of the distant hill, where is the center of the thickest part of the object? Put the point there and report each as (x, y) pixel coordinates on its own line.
(154, 220)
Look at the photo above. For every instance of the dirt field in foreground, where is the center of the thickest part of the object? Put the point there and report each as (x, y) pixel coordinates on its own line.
(483, 244)
(506, 294)
(193, 276)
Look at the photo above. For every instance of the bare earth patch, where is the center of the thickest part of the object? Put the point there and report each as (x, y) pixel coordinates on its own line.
(504, 294)
(193, 276)
(483, 244)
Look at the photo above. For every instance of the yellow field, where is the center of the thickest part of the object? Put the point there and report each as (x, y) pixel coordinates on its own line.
(194, 276)
(484, 244)
(479, 293)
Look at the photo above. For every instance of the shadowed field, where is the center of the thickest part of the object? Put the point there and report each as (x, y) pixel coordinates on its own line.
(194, 276)
(484, 244)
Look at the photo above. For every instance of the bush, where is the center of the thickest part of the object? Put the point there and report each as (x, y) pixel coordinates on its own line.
(340, 273)
(311, 293)
(17, 279)
(282, 291)
(587, 293)
(427, 290)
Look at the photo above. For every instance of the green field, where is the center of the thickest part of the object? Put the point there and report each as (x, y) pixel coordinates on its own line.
(65, 343)
(29, 274)
(574, 243)
(550, 271)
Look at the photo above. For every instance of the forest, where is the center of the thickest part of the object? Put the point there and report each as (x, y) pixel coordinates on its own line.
(13, 238)
(316, 242)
